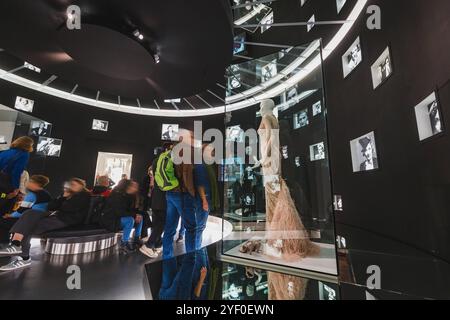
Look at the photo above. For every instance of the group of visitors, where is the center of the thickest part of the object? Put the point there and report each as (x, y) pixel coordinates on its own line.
(171, 196)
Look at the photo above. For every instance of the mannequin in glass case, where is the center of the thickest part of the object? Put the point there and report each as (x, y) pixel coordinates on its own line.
(287, 238)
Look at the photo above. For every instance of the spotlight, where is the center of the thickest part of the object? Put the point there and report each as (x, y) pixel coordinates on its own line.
(157, 58)
(138, 34)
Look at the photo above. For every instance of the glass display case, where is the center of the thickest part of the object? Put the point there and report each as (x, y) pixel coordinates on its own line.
(249, 283)
(275, 172)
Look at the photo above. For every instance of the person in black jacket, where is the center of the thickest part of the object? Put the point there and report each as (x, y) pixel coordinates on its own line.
(67, 210)
(121, 212)
(159, 204)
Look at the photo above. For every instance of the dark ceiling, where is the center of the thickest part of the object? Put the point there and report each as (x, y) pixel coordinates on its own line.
(194, 40)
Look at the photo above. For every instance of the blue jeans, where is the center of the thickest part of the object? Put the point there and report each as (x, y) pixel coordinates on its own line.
(177, 275)
(127, 224)
(201, 217)
(179, 204)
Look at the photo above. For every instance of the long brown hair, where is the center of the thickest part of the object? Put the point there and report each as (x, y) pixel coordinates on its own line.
(23, 143)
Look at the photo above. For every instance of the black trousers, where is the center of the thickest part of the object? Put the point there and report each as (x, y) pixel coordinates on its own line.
(158, 222)
(33, 223)
(5, 226)
(147, 223)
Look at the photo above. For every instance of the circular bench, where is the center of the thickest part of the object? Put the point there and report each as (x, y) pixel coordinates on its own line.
(78, 240)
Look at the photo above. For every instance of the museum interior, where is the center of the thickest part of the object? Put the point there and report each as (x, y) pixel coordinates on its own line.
(224, 150)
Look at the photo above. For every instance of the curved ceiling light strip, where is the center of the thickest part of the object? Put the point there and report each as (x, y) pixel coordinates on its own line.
(250, 99)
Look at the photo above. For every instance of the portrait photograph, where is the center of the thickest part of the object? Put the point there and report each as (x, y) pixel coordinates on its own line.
(170, 132)
(317, 108)
(269, 71)
(24, 104)
(364, 153)
(352, 58)
(428, 117)
(49, 147)
(317, 151)
(301, 119)
(100, 125)
(40, 129)
(382, 68)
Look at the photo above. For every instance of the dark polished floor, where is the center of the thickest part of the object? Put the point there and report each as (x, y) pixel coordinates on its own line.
(105, 275)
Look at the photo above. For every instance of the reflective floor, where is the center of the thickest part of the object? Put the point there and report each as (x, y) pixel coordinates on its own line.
(104, 275)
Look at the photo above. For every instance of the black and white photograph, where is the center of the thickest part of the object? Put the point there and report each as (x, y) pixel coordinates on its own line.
(32, 67)
(49, 147)
(352, 57)
(239, 43)
(340, 4)
(382, 68)
(301, 119)
(317, 152)
(234, 134)
(337, 203)
(40, 129)
(269, 71)
(428, 117)
(285, 152)
(298, 162)
(170, 132)
(24, 104)
(100, 125)
(364, 153)
(317, 108)
(267, 22)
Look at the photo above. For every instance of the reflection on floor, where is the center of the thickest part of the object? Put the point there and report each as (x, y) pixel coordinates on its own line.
(104, 275)
(324, 262)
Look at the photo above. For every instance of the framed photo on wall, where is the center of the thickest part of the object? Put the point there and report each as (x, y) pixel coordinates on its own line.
(169, 132)
(49, 147)
(382, 69)
(40, 129)
(428, 117)
(100, 125)
(24, 104)
(352, 58)
(317, 152)
(364, 153)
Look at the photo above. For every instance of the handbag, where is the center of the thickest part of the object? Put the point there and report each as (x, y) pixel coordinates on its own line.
(5, 179)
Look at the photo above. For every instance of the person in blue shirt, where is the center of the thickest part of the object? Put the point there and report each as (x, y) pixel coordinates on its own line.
(12, 164)
(36, 198)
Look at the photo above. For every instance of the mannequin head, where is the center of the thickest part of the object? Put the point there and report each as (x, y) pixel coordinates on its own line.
(266, 107)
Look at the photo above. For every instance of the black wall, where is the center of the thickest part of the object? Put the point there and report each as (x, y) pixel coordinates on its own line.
(72, 122)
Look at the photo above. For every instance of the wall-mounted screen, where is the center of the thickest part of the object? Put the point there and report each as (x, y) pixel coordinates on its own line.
(364, 153)
(170, 132)
(49, 147)
(40, 129)
(24, 104)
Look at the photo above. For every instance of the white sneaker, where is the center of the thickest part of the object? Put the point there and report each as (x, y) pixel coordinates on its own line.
(149, 252)
(10, 251)
(15, 264)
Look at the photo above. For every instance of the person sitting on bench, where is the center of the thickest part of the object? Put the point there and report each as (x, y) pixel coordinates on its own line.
(70, 209)
(36, 198)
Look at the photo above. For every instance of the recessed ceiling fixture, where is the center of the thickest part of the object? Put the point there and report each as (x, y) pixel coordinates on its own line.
(157, 58)
(138, 34)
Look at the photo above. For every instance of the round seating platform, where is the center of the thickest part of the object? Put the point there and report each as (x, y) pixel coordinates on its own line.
(79, 240)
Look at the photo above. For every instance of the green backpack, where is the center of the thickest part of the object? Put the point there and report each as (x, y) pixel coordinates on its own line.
(165, 172)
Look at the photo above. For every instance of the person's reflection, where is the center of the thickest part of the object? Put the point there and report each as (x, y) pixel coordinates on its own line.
(185, 277)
